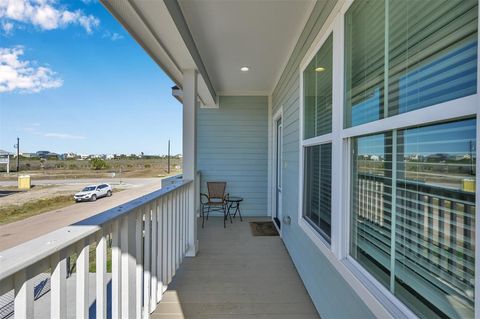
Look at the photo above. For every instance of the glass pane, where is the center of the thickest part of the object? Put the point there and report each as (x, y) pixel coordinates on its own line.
(432, 51)
(431, 172)
(364, 62)
(435, 228)
(318, 186)
(317, 85)
(371, 204)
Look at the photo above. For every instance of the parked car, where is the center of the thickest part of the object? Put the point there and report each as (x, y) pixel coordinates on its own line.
(93, 192)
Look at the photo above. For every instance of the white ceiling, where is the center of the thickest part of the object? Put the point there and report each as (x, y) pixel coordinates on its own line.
(260, 34)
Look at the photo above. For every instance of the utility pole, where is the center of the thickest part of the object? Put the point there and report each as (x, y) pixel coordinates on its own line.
(168, 158)
(17, 146)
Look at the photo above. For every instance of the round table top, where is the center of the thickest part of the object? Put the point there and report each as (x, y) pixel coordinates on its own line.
(234, 199)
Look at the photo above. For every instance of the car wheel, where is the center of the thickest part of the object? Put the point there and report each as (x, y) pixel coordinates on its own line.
(93, 198)
(109, 193)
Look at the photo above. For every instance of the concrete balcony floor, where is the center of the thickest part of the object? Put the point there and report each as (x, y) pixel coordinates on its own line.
(236, 275)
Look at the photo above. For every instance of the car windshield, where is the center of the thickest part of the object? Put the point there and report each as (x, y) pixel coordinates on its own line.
(88, 189)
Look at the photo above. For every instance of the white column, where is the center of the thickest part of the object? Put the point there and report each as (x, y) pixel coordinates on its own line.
(190, 153)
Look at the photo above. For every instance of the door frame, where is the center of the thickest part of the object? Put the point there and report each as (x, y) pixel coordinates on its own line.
(278, 115)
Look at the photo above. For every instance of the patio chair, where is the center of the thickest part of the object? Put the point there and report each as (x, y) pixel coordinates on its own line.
(214, 201)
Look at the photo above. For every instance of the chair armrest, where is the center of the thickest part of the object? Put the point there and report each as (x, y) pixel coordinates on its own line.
(204, 199)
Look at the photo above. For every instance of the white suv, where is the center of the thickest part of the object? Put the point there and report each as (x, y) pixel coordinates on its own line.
(92, 192)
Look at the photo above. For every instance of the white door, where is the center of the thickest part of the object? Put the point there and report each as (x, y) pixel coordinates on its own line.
(278, 171)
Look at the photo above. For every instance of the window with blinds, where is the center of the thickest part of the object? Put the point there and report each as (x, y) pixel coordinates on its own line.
(317, 84)
(405, 55)
(413, 215)
(318, 188)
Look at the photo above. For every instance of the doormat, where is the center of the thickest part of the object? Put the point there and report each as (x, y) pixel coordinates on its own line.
(263, 229)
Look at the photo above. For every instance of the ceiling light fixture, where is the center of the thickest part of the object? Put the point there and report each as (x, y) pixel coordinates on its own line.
(244, 68)
(319, 69)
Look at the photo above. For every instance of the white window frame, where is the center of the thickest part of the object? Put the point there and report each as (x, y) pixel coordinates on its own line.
(377, 297)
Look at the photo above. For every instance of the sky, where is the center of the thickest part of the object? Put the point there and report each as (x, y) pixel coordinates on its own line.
(73, 80)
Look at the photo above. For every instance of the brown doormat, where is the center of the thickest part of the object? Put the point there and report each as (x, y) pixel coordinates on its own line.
(263, 229)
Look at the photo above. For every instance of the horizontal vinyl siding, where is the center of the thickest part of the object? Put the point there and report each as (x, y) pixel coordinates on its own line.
(331, 294)
(232, 146)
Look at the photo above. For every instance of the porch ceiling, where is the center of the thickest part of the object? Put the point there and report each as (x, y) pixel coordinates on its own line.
(257, 34)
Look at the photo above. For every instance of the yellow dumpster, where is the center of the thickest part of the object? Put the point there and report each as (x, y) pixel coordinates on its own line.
(469, 185)
(24, 182)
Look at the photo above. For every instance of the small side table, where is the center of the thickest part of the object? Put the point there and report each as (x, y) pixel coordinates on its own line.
(234, 202)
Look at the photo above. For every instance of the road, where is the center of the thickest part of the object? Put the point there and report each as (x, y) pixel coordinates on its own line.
(27, 229)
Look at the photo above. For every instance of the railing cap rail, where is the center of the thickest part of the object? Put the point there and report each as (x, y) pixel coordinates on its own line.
(35, 250)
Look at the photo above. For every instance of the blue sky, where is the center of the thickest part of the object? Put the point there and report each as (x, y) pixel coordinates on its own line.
(74, 80)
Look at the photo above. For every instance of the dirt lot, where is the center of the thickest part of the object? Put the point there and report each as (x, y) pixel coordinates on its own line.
(78, 169)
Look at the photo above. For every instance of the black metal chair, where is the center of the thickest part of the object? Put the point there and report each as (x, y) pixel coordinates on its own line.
(215, 200)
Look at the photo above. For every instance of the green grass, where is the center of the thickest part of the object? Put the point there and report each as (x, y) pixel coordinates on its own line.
(14, 213)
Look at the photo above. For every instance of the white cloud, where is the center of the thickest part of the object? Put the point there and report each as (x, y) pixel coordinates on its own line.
(114, 36)
(44, 14)
(20, 75)
(7, 27)
(65, 136)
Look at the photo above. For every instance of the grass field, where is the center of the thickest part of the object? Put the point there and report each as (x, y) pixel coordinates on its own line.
(14, 213)
(76, 169)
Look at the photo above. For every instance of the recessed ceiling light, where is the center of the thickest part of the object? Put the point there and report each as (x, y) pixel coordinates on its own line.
(244, 68)
(319, 69)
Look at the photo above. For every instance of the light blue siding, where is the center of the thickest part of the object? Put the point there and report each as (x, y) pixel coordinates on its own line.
(330, 293)
(232, 146)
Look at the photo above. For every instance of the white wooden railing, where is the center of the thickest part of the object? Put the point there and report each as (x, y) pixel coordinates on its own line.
(149, 238)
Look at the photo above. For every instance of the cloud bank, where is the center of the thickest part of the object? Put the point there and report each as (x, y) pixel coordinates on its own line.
(20, 75)
(44, 14)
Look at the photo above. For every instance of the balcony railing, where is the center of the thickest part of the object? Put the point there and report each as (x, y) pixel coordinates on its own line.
(148, 239)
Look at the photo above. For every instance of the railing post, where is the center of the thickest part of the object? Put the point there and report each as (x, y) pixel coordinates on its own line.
(153, 301)
(160, 251)
(146, 263)
(190, 106)
(101, 270)
(127, 245)
(23, 304)
(139, 259)
(82, 279)
(116, 270)
(58, 287)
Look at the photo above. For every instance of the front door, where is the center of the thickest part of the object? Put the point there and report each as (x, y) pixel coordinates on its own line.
(278, 172)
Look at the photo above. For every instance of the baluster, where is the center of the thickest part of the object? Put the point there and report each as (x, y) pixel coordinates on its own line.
(116, 270)
(23, 304)
(146, 263)
(178, 226)
(153, 302)
(182, 220)
(139, 260)
(58, 287)
(160, 251)
(174, 232)
(82, 279)
(128, 266)
(165, 242)
(169, 239)
(101, 273)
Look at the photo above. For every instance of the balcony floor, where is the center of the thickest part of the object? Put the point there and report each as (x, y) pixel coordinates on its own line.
(236, 275)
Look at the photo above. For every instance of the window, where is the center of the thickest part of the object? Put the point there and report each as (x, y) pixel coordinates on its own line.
(317, 154)
(318, 188)
(406, 55)
(317, 83)
(413, 215)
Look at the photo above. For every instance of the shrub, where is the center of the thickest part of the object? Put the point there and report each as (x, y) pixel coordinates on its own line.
(98, 164)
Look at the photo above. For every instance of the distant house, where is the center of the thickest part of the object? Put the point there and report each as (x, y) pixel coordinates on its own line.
(47, 155)
(29, 155)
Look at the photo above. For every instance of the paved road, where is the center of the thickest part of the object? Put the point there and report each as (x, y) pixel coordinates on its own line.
(19, 232)
(113, 181)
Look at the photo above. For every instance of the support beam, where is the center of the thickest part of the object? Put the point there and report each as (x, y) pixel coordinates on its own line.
(190, 106)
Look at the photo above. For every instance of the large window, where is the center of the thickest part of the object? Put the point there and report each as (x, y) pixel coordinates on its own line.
(317, 97)
(318, 188)
(317, 84)
(413, 215)
(405, 55)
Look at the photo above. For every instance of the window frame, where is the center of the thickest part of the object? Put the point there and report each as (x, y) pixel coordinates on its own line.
(317, 237)
(377, 297)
